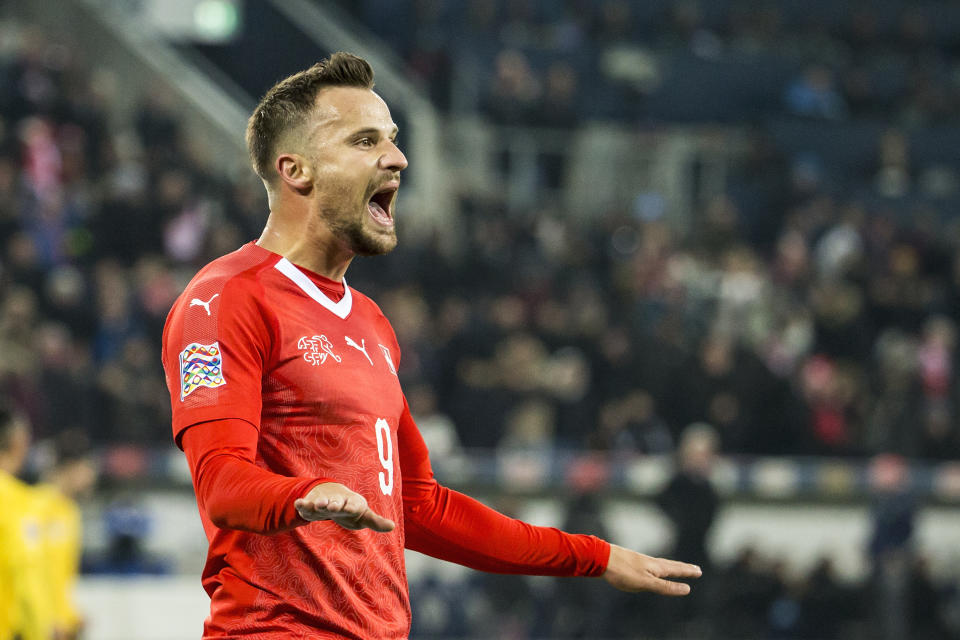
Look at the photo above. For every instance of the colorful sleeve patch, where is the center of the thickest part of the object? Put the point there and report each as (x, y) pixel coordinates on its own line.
(200, 366)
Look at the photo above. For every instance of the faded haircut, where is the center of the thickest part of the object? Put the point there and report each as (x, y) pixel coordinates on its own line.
(288, 103)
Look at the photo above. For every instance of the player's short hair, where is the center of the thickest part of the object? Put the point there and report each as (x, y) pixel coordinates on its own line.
(287, 103)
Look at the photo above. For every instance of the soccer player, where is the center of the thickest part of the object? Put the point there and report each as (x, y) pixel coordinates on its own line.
(26, 610)
(311, 476)
(72, 476)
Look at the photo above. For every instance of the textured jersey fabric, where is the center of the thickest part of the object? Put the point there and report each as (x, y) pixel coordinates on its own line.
(247, 341)
(281, 383)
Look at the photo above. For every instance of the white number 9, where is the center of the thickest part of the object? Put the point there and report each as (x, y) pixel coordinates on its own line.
(386, 456)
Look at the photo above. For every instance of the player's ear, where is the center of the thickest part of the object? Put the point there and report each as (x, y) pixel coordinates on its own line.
(294, 171)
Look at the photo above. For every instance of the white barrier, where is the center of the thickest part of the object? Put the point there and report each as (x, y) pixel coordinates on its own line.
(143, 608)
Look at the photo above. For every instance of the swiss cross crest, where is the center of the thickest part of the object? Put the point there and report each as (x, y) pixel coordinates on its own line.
(316, 349)
(386, 356)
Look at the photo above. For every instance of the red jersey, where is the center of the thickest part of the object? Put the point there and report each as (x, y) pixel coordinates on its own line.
(255, 339)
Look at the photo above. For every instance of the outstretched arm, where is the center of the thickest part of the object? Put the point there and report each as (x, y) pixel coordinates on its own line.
(237, 494)
(450, 526)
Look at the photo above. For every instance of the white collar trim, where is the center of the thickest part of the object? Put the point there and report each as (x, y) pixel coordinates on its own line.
(340, 309)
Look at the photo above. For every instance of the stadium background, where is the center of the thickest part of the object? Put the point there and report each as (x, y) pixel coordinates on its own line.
(621, 218)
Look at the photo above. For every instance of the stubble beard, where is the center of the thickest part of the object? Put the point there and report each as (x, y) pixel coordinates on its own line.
(361, 240)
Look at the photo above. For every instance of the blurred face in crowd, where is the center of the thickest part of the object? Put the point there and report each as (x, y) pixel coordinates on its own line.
(353, 164)
(78, 477)
(16, 446)
(698, 448)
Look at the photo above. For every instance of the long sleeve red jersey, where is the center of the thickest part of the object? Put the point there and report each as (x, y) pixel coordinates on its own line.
(281, 379)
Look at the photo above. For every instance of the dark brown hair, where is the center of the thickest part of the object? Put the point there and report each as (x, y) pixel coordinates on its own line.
(287, 103)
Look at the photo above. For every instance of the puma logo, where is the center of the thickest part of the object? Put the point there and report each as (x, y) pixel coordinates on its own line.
(386, 356)
(362, 349)
(197, 302)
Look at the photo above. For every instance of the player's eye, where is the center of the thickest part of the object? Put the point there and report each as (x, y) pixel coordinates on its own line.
(366, 142)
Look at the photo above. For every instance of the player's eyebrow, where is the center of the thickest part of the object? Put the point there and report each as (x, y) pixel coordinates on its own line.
(373, 131)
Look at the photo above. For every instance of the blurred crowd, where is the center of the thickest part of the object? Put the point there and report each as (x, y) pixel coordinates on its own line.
(556, 63)
(752, 597)
(102, 226)
(795, 316)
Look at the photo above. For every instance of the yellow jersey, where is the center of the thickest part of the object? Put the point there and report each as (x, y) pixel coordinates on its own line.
(62, 541)
(26, 607)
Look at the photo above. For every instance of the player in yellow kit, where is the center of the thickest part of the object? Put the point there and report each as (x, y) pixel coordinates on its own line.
(72, 477)
(26, 610)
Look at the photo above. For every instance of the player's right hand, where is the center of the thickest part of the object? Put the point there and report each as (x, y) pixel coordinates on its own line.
(333, 501)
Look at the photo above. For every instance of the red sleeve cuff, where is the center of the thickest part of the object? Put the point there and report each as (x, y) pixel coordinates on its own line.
(599, 558)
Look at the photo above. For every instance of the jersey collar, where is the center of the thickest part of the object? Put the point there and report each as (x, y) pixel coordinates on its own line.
(340, 309)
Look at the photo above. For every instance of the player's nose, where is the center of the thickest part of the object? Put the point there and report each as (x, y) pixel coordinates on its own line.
(393, 159)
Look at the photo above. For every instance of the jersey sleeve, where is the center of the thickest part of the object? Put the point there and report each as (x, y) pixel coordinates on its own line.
(450, 526)
(215, 343)
(231, 490)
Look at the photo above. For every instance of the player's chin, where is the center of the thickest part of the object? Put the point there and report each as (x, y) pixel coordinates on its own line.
(375, 241)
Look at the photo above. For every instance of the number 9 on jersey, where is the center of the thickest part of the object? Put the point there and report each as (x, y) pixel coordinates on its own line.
(385, 449)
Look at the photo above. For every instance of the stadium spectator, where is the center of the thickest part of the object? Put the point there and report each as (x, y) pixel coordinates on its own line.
(689, 500)
(815, 95)
(894, 514)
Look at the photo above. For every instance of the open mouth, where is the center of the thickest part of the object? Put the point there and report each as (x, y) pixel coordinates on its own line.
(381, 204)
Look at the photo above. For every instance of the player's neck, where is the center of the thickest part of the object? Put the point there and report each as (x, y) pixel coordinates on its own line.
(314, 248)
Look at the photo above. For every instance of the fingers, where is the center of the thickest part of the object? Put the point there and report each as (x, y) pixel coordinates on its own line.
(377, 522)
(353, 505)
(328, 499)
(355, 514)
(674, 569)
(311, 509)
(327, 507)
(631, 571)
(668, 588)
(344, 507)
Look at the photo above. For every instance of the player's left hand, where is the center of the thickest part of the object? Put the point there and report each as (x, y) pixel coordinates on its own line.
(631, 571)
